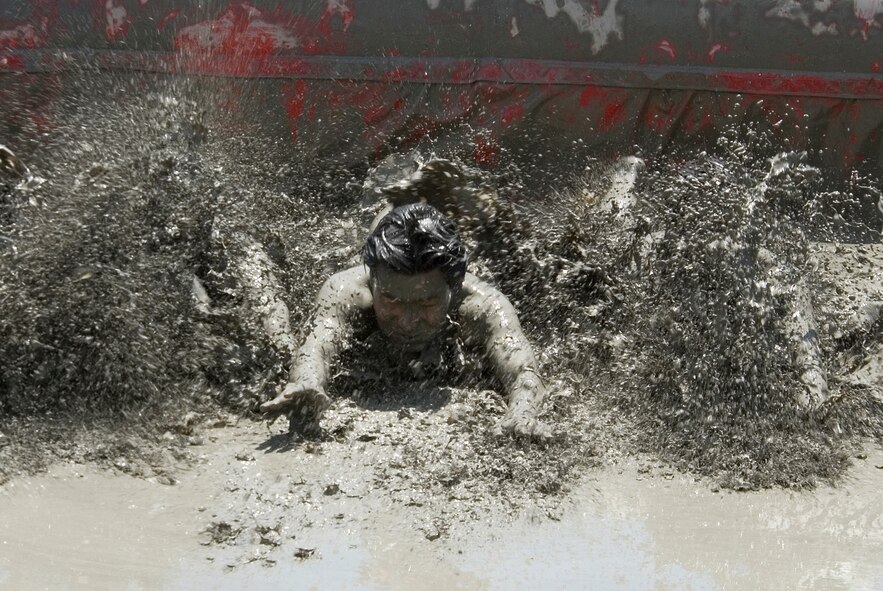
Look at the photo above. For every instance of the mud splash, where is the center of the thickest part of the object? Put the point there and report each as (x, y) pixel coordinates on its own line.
(656, 326)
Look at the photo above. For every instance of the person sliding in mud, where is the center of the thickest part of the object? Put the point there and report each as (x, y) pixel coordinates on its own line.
(415, 285)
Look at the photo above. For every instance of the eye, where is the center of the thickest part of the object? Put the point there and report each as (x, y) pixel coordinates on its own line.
(389, 299)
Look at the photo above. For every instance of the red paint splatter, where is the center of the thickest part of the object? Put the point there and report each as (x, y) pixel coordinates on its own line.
(374, 114)
(659, 118)
(164, 20)
(421, 130)
(12, 63)
(666, 47)
(489, 72)
(529, 71)
(33, 31)
(342, 7)
(613, 113)
(796, 107)
(244, 30)
(591, 94)
(368, 94)
(294, 95)
(466, 99)
(415, 71)
(41, 122)
(875, 67)
(461, 72)
(714, 50)
(23, 36)
(776, 83)
(294, 98)
(512, 113)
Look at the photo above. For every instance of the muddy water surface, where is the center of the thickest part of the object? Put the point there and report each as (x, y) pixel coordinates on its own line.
(410, 490)
(638, 525)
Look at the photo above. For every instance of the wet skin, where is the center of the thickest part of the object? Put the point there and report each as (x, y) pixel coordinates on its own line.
(410, 311)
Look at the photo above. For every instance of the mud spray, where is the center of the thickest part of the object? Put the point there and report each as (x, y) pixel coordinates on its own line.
(657, 293)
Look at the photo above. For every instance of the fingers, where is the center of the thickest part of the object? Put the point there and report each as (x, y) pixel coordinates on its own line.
(308, 404)
(277, 405)
(522, 427)
(304, 416)
(271, 415)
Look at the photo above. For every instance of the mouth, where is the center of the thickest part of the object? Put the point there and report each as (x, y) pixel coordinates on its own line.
(410, 341)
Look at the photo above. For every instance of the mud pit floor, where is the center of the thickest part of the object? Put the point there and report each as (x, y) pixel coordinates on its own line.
(389, 504)
(242, 517)
(250, 511)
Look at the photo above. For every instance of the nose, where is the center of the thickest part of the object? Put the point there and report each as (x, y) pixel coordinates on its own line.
(408, 320)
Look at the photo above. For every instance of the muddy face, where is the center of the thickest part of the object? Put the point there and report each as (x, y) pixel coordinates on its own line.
(410, 309)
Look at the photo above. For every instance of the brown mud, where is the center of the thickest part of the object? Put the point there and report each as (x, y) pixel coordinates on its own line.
(412, 491)
(148, 391)
(324, 515)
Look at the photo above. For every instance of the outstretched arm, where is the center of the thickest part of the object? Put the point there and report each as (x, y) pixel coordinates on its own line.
(489, 317)
(340, 296)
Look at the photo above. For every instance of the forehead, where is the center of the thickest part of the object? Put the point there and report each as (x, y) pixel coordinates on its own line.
(403, 286)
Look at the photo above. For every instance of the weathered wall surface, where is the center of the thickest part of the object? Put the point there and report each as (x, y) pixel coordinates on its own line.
(614, 73)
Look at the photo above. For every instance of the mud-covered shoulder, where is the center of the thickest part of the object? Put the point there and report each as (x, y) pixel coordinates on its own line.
(485, 312)
(479, 299)
(348, 289)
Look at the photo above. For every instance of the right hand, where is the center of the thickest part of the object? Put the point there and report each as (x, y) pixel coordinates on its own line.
(523, 424)
(307, 402)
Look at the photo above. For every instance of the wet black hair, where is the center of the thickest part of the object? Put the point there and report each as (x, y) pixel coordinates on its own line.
(417, 238)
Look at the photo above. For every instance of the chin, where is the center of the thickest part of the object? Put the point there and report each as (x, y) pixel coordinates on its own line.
(408, 344)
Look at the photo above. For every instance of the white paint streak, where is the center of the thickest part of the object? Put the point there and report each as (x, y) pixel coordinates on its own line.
(823, 29)
(342, 8)
(867, 11)
(704, 15)
(606, 26)
(794, 10)
(513, 27)
(550, 7)
(666, 47)
(116, 18)
(25, 35)
(791, 10)
(810, 15)
(601, 27)
(212, 34)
